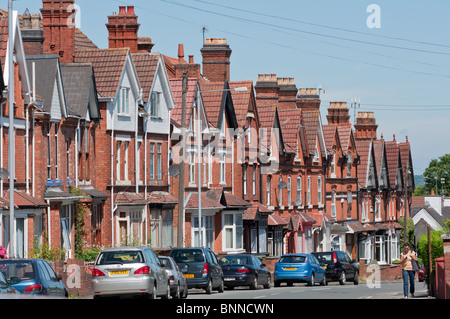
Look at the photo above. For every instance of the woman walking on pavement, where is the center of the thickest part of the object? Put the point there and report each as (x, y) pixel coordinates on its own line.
(406, 259)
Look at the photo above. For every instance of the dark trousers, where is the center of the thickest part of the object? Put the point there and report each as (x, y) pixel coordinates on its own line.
(408, 274)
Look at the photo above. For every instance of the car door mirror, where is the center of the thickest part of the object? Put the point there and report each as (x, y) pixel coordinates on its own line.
(263, 265)
(58, 278)
(353, 261)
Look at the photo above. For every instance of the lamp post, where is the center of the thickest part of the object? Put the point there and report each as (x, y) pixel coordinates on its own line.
(11, 140)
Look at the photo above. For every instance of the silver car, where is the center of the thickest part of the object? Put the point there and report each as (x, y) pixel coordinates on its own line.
(129, 271)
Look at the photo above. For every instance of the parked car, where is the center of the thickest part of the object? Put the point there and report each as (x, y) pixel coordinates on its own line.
(422, 273)
(338, 266)
(5, 285)
(292, 268)
(200, 267)
(178, 285)
(129, 272)
(36, 277)
(244, 270)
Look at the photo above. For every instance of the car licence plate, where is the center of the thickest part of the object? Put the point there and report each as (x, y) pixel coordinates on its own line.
(188, 275)
(119, 272)
(229, 278)
(288, 268)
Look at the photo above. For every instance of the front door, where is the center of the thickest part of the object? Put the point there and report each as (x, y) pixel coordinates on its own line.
(20, 237)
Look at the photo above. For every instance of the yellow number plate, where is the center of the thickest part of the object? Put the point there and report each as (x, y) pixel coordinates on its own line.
(290, 268)
(188, 275)
(119, 272)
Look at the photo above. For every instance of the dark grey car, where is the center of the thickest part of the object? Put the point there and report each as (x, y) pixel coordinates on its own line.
(178, 285)
(200, 267)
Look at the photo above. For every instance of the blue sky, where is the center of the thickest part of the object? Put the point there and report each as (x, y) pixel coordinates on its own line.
(400, 71)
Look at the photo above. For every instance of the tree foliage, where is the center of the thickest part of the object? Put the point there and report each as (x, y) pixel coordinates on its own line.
(436, 170)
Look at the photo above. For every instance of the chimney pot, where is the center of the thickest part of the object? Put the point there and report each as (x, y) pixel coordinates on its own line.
(191, 59)
(180, 53)
(130, 11)
(122, 10)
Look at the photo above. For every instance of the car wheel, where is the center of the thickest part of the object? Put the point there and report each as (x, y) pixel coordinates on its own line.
(254, 284)
(267, 285)
(177, 294)
(209, 287)
(185, 292)
(167, 294)
(343, 279)
(356, 279)
(311, 280)
(221, 286)
(153, 294)
(324, 281)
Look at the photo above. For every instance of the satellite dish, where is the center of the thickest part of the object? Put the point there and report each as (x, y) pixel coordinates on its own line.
(4, 173)
(298, 202)
(174, 170)
(282, 185)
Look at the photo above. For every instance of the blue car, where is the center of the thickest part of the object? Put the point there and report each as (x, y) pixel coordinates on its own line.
(36, 277)
(298, 268)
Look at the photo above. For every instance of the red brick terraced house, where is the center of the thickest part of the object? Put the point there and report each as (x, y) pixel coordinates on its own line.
(381, 184)
(135, 104)
(30, 208)
(341, 179)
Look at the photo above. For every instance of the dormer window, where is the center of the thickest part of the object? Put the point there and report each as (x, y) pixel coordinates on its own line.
(155, 104)
(124, 101)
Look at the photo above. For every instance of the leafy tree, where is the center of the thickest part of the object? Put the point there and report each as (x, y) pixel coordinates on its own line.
(437, 245)
(409, 231)
(436, 170)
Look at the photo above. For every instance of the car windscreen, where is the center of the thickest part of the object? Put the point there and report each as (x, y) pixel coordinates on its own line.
(293, 259)
(24, 270)
(324, 258)
(120, 257)
(234, 260)
(187, 255)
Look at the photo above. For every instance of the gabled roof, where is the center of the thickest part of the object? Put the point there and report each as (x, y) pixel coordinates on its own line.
(226, 199)
(217, 101)
(291, 126)
(108, 66)
(269, 119)
(80, 90)
(18, 48)
(367, 174)
(314, 131)
(346, 136)
(49, 82)
(146, 65)
(177, 92)
(406, 158)
(331, 134)
(394, 163)
(242, 101)
(381, 163)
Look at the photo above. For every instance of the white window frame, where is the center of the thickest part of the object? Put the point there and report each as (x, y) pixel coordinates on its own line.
(236, 231)
(268, 190)
(289, 190)
(159, 161)
(152, 161)
(280, 192)
(309, 190)
(333, 204)
(192, 166)
(299, 189)
(222, 166)
(254, 180)
(155, 104)
(207, 230)
(124, 101)
(118, 146)
(319, 190)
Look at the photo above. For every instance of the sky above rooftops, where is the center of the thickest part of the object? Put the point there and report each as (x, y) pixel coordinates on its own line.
(400, 71)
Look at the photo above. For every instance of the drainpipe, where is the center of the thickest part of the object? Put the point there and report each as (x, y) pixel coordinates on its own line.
(77, 133)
